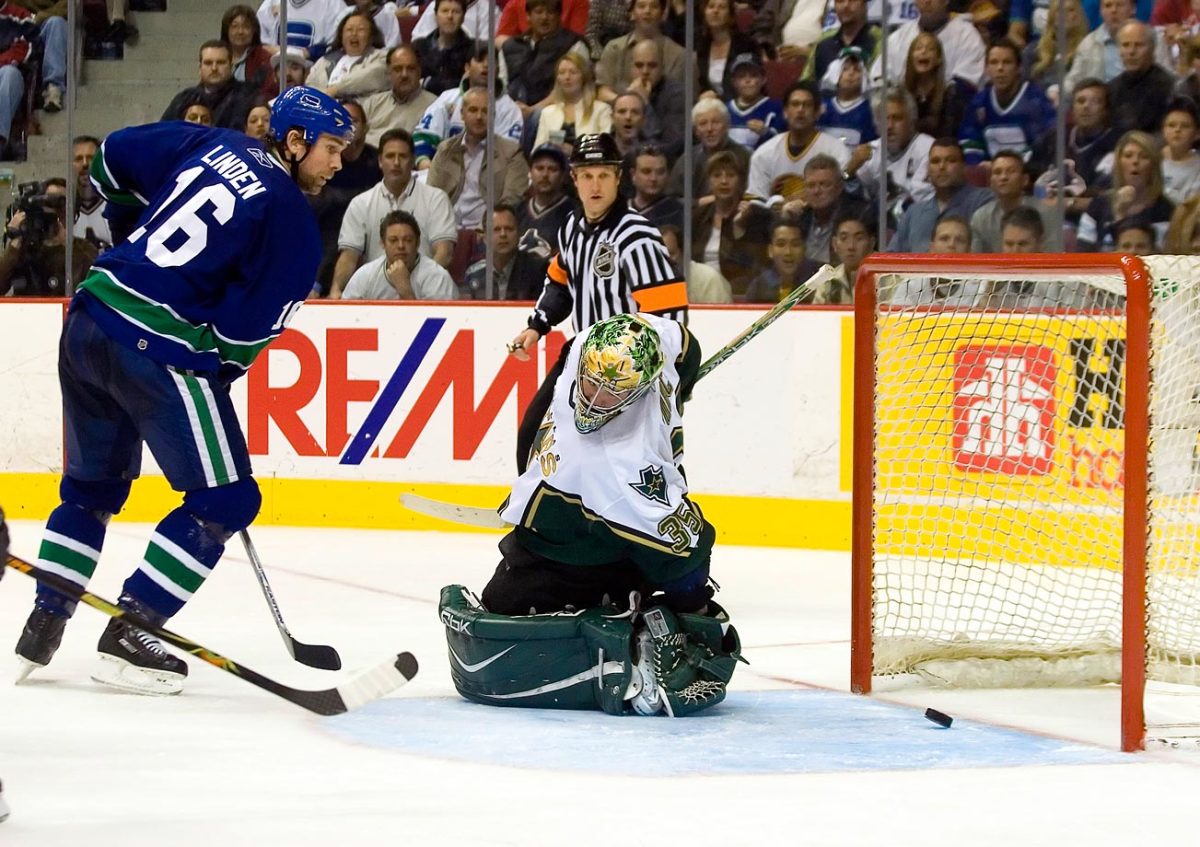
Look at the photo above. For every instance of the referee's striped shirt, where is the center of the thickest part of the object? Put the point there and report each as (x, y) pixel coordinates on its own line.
(618, 265)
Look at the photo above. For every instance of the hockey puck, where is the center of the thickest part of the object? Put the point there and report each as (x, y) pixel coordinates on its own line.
(939, 718)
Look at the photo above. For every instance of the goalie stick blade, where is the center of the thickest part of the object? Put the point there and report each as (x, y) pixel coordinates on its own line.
(454, 512)
(350, 695)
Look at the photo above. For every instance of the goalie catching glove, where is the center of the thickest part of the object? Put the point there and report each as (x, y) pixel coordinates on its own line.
(620, 662)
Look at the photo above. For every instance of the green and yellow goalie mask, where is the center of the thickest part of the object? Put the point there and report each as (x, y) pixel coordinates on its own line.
(620, 359)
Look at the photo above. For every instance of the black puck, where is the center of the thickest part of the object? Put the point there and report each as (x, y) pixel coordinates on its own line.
(939, 718)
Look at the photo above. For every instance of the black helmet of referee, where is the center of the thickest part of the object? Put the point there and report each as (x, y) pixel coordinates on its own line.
(597, 148)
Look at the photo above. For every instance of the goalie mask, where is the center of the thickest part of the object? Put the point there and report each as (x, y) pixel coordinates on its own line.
(620, 359)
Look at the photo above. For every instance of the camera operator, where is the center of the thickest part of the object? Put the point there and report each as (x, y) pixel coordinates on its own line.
(33, 263)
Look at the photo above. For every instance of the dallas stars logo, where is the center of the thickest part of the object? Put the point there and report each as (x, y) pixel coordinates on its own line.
(653, 485)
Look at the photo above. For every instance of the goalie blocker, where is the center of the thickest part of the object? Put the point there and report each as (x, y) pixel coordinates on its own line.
(600, 658)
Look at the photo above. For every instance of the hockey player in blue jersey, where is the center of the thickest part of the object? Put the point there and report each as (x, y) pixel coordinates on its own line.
(223, 252)
(1009, 113)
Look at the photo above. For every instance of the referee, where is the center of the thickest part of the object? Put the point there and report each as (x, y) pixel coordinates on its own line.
(611, 261)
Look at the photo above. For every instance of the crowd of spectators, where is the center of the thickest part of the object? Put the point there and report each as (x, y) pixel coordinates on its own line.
(787, 110)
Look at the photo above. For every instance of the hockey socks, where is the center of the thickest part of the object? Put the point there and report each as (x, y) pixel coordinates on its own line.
(180, 556)
(70, 549)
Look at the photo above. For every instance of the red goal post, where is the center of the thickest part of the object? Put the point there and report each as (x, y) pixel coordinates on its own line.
(1026, 492)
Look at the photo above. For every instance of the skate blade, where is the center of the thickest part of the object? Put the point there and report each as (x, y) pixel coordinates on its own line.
(120, 674)
(25, 668)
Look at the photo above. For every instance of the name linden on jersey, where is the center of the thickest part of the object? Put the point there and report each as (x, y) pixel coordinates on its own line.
(236, 172)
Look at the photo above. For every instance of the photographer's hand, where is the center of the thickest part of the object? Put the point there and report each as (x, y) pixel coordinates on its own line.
(14, 227)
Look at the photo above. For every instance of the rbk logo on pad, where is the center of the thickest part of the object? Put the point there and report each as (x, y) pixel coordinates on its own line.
(1004, 409)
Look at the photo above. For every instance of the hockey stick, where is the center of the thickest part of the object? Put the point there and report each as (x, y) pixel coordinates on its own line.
(489, 519)
(314, 655)
(362, 689)
(744, 337)
(455, 512)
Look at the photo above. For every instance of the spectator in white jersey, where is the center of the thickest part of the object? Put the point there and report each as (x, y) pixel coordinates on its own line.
(311, 24)
(397, 190)
(908, 155)
(90, 223)
(611, 261)
(776, 166)
(401, 273)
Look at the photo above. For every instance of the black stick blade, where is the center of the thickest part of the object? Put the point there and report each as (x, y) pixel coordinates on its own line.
(321, 656)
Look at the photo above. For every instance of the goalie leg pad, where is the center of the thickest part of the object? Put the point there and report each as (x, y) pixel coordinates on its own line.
(577, 660)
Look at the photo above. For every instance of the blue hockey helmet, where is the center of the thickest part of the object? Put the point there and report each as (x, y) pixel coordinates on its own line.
(309, 110)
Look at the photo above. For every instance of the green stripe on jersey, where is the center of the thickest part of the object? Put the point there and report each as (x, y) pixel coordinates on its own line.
(158, 319)
(77, 563)
(208, 428)
(112, 193)
(186, 579)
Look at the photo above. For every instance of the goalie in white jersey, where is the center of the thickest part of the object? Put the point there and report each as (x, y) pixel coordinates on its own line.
(601, 519)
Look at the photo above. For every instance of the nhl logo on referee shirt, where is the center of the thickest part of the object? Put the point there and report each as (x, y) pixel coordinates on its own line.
(604, 265)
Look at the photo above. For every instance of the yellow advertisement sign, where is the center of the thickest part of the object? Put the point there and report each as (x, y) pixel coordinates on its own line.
(1000, 437)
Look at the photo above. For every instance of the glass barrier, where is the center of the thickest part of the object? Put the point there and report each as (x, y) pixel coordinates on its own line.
(759, 140)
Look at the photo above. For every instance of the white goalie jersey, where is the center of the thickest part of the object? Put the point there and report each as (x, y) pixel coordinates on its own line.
(619, 490)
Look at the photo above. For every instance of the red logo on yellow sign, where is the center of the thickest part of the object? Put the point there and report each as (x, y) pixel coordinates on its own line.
(1004, 407)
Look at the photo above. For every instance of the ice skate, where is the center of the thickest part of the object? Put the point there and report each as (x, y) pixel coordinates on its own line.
(39, 640)
(133, 660)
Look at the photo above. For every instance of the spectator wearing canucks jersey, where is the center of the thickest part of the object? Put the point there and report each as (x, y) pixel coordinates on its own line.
(443, 119)
(852, 31)
(462, 170)
(777, 165)
(1009, 113)
(846, 113)
(401, 273)
(228, 100)
(311, 24)
(18, 36)
(951, 196)
(961, 43)
(1140, 93)
(753, 116)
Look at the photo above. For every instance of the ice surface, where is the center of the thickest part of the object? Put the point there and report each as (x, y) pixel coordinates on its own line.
(789, 757)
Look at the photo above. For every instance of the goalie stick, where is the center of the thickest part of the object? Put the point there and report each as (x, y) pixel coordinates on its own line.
(321, 656)
(489, 519)
(362, 689)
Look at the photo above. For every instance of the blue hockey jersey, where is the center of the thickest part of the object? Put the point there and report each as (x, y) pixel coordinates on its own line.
(766, 109)
(852, 122)
(224, 254)
(987, 128)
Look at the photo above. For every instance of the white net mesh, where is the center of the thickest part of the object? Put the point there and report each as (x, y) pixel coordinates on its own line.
(999, 470)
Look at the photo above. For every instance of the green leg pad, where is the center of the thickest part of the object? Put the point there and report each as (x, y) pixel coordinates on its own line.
(562, 661)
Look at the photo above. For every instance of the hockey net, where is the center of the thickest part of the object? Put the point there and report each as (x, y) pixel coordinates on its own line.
(1027, 502)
